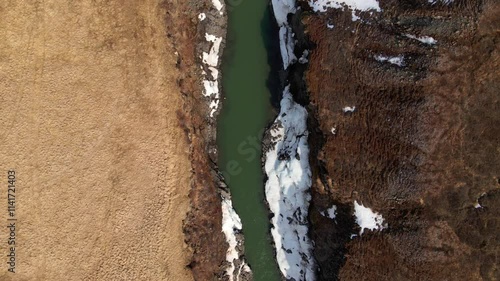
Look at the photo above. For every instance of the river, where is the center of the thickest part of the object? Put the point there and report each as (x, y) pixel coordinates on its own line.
(246, 112)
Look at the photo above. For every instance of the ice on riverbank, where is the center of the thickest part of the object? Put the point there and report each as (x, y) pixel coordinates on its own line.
(211, 60)
(287, 168)
(281, 9)
(231, 225)
(218, 5)
(287, 190)
(212, 57)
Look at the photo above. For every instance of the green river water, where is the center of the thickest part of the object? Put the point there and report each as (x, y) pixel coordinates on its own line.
(246, 112)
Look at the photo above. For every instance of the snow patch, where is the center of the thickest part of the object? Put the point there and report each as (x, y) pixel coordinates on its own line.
(303, 59)
(349, 109)
(423, 39)
(446, 2)
(281, 9)
(287, 190)
(211, 59)
(330, 26)
(367, 219)
(330, 212)
(214, 71)
(399, 60)
(218, 5)
(202, 16)
(231, 225)
(478, 205)
(361, 5)
(353, 5)
(333, 131)
(287, 45)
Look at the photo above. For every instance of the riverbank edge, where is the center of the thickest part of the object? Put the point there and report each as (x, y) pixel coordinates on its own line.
(293, 76)
(203, 225)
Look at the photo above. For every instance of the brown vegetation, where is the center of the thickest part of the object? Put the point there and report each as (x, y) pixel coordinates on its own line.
(421, 147)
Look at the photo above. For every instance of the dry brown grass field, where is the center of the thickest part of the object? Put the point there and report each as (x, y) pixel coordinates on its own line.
(88, 93)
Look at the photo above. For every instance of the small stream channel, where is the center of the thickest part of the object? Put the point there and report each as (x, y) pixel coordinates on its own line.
(246, 112)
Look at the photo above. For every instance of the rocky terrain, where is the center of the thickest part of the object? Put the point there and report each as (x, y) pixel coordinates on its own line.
(408, 127)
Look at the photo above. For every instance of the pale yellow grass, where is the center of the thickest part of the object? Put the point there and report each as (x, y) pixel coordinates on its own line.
(88, 122)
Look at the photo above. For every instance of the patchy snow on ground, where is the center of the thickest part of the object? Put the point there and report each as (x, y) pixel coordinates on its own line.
(361, 5)
(349, 109)
(330, 26)
(423, 39)
(212, 57)
(333, 131)
(231, 224)
(446, 2)
(399, 60)
(478, 205)
(281, 9)
(330, 212)
(218, 5)
(303, 59)
(202, 16)
(287, 190)
(367, 219)
(211, 84)
(353, 5)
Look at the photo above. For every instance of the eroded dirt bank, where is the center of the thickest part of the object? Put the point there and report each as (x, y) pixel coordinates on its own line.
(203, 225)
(421, 147)
(192, 24)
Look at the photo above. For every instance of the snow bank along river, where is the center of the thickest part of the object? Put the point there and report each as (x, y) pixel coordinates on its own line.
(287, 167)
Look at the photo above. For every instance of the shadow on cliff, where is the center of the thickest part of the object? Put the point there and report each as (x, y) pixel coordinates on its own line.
(270, 31)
